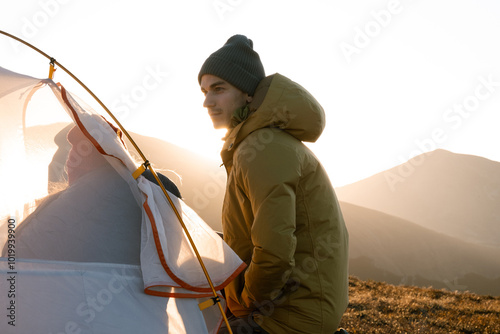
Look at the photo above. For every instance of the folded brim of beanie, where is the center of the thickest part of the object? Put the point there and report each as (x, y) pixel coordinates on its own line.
(232, 73)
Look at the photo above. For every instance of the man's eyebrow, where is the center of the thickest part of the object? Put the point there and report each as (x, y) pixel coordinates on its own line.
(221, 82)
(217, 83)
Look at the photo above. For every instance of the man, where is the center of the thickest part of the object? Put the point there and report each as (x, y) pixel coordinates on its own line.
(280, 212)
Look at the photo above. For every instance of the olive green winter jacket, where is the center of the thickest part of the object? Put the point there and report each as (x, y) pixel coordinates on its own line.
(281, 215)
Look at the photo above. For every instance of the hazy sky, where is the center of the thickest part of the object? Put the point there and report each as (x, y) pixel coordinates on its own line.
(396, 78)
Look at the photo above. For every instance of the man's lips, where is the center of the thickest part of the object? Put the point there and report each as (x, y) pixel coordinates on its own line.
(214, 113)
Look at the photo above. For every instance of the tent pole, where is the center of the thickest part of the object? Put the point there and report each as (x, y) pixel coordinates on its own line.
(146, 164)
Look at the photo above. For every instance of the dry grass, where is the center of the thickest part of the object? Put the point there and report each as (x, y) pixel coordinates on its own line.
(376, 307)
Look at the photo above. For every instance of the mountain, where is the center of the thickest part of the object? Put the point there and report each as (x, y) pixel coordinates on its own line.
(397, 251)
(454, 194)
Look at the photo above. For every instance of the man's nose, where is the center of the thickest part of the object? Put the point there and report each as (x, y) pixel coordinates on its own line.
(209, 101)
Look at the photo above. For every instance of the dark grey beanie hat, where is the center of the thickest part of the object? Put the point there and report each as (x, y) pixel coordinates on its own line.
(237, 63)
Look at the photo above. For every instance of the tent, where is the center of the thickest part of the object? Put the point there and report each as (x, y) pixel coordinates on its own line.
(89, 245)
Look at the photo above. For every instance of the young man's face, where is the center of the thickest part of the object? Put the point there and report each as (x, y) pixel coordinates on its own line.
(221, 100)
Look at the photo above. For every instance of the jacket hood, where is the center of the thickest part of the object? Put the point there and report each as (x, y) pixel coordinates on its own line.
(281, 103)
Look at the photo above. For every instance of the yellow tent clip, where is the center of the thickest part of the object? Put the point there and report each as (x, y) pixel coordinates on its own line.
(142, 168)
(139, 171)
(51, 69)
(209, 302)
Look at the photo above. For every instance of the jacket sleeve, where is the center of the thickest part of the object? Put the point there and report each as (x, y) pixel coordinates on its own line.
(269, 173)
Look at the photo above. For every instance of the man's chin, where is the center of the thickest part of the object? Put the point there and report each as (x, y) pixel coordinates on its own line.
(219, 126)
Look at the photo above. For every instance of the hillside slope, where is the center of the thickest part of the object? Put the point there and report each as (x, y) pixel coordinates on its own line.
(455, 194)
(397, 251)
(380, 308)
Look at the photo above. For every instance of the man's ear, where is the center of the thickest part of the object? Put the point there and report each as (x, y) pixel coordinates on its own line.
(249, 98)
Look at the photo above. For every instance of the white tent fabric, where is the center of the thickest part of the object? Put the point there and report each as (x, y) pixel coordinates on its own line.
(80, 218)
(71, 297)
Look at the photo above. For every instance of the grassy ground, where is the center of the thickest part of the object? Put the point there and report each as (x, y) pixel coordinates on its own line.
(376, 307)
